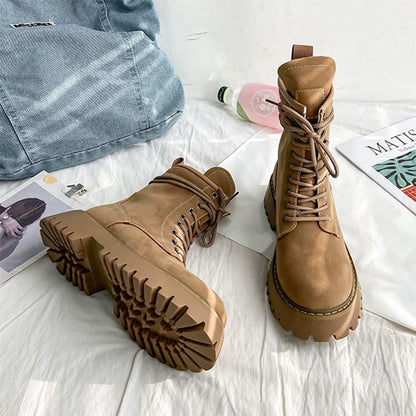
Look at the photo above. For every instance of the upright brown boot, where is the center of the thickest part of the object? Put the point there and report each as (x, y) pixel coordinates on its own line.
(136, 249)
(312, 283)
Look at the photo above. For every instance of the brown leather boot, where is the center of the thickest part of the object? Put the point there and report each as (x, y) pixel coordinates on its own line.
(312, 283)
(136, 249)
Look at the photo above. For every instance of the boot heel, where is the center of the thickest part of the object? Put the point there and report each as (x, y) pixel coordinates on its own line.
(70, 239)
(270, 205)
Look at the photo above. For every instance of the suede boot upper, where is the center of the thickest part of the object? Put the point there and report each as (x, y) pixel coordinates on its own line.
(314, 268)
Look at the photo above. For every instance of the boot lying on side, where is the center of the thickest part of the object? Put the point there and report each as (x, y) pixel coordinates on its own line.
(312, 285)
(136, 249)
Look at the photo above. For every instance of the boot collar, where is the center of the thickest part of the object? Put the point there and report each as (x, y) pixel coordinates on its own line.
(323, 111)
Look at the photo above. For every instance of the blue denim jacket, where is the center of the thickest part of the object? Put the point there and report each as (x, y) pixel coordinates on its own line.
(90, 84)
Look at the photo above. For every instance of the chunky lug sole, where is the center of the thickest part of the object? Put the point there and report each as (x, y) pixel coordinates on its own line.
(161, 313)
(303, 323)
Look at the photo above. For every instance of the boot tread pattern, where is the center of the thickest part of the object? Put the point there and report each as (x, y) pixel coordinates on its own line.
(154, 318)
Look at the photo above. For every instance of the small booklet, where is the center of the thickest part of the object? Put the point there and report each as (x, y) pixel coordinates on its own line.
(20, 213)
(388, 157)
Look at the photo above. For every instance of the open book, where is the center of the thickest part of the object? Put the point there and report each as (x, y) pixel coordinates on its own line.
(388, 157)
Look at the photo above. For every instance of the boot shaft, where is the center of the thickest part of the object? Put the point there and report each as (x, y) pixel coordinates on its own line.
(174, 208)
(303, 192)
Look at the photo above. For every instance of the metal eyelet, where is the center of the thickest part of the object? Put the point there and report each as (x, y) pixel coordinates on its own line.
(183, 216)
(325, 190)
(285, 204)
(176, 249)
(215, 194)
(178, 223)
(325, 204)
(287, 191)
(289, 178)
(283, 217)
(198, 205)
(175, 233)
(329, 219)
(174, 242)
(191, 210)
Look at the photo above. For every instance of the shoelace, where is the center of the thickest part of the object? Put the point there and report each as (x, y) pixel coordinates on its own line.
(190, 225)
(312, 137)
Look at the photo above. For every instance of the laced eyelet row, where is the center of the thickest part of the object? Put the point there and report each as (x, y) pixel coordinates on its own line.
(317, 165)
(179, 224)
(192, 228)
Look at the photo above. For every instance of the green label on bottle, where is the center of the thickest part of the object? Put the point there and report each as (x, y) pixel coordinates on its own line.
(241, 112)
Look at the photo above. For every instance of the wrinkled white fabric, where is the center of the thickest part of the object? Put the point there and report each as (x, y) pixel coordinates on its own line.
(64, 353)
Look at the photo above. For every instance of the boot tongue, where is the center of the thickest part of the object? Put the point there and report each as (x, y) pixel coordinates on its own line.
(215, 177)
(309, 81)
(223, 179)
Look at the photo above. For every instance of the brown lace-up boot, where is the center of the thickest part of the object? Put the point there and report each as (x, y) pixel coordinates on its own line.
(312, 284)
(136, 249)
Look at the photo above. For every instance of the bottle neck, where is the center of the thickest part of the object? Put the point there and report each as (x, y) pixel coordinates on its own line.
(229, 96)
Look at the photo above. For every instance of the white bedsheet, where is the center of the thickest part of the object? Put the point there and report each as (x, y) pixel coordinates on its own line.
(64, 353)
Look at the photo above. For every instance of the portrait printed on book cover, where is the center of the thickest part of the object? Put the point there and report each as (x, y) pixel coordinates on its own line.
(19, 224)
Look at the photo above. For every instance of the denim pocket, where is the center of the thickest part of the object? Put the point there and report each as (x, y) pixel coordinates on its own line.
(72, 88)
(13, 156)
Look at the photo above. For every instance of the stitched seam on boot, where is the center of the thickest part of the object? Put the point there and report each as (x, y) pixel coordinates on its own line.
(309, 90)
(286, 299)
(304, 66)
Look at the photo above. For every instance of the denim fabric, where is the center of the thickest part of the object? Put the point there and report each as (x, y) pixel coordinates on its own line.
(92, 84)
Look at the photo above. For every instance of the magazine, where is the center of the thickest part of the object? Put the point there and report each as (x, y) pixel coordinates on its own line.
(388, 157)
(20, 213)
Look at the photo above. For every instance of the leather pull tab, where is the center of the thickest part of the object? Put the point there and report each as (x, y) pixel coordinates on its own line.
(301, 51)
(177, 161)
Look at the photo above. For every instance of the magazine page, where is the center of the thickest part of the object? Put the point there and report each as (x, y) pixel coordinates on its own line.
(388, 156)
(20, 213)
